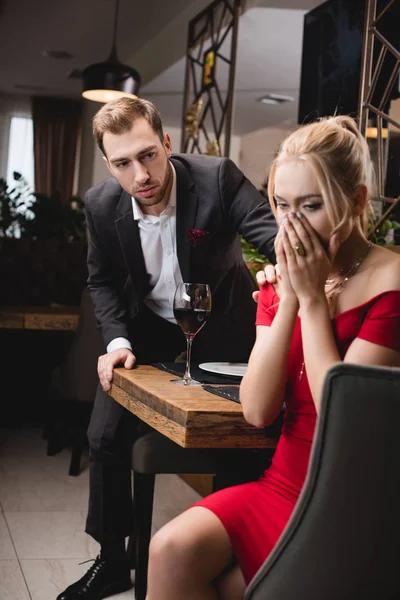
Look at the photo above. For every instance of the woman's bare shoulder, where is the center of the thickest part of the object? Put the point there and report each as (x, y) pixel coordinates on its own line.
(385, 273)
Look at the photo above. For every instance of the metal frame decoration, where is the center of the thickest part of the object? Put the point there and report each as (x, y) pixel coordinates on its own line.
(369, 79)
(210, 62)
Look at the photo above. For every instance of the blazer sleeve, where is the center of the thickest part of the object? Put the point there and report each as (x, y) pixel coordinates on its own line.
(249, 212)
(104, 286)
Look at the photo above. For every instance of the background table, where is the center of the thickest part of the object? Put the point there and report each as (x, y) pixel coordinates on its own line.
(44, 318)
(36, 339)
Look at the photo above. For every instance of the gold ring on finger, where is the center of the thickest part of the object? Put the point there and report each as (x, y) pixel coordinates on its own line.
(301, 251)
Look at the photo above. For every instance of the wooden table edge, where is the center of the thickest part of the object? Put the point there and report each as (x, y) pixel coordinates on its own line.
(197, 428)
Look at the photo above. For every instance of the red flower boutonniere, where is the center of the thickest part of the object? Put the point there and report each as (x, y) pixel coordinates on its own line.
(197, 237)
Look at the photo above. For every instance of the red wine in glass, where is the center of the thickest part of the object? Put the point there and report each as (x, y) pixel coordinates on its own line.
(191, 320)
(192, 307)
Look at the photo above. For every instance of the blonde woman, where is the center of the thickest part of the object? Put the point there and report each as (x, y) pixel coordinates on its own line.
(338, 300)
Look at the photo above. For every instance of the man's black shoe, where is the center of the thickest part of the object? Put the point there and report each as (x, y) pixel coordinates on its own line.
(104, 578)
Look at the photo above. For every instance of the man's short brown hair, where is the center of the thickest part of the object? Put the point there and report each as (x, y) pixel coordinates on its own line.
(118, 116)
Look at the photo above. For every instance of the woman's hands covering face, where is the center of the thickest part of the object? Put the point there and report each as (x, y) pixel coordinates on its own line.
(285, 287)
(302, 258)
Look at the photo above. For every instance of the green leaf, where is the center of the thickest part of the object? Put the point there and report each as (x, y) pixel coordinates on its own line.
(251, 254)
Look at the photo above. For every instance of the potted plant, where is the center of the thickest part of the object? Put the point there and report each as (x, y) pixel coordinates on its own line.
(26, 214)
(42, 246)
(14, 206)
(386, 233)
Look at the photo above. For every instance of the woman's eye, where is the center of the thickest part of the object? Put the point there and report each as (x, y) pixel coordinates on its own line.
(282, 205)
(313, 206)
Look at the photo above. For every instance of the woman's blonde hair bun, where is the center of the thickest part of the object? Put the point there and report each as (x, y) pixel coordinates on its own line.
(340, 158)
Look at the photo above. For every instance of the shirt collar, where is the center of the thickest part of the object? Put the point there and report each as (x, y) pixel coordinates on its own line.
(139, 215)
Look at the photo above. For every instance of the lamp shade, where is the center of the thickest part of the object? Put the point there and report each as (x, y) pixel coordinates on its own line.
(109, 80)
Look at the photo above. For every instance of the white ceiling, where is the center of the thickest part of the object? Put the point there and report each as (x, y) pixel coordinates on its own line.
(268, 60)
(152, 38)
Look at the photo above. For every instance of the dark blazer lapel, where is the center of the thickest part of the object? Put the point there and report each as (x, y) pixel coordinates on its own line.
(186, 210)
(128, 234)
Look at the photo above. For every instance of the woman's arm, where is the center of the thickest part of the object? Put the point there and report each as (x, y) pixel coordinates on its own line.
(263, 387)
(319, 344)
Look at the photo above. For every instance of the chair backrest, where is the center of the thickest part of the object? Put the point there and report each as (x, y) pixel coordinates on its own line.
(76, 378)
(342, 541)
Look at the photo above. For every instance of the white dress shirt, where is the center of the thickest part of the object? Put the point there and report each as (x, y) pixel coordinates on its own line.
(158, 240)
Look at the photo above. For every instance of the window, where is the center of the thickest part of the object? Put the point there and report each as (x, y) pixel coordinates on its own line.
(20, 151)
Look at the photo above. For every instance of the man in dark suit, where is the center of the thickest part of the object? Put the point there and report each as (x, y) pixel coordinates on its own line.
(160, 220)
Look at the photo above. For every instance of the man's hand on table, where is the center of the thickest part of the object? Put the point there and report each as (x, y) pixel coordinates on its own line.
(107, 362)
(270, 274)
(125, 357)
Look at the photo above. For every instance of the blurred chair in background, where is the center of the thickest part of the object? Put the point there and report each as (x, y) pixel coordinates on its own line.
(73, 388)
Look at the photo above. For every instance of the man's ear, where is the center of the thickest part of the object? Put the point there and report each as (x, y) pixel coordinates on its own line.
(108, 164)
(167, 144)
(360, 199)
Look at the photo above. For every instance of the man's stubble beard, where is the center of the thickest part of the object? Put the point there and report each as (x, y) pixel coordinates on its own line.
(159, 197)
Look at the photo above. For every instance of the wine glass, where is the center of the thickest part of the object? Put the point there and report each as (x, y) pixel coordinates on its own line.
(192, 307)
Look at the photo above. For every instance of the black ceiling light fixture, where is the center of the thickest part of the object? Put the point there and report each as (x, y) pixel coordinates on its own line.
(110, 79)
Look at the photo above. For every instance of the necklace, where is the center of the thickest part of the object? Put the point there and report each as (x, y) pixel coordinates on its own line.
(336, 286)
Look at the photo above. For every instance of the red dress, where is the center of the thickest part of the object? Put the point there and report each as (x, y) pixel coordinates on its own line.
(255, 514)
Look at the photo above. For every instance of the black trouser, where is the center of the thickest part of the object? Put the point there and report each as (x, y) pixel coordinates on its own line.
(113, 430)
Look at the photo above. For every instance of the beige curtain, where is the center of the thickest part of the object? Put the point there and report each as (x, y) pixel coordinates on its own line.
(56, 129)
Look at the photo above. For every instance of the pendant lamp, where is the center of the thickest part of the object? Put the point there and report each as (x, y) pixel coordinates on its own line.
(109, 80)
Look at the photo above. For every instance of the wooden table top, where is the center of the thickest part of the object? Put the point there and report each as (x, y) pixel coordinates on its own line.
(190, 416)
(45, 318)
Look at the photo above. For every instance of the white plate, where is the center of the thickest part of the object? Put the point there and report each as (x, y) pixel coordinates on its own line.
(225, 368)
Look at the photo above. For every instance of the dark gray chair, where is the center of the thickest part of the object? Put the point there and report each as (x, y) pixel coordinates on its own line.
(154, 454)
(342, 541)
(73, 387)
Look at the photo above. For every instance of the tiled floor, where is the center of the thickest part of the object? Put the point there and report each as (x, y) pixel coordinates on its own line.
(42, 517)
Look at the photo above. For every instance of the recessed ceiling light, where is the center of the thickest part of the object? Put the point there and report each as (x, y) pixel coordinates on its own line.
(57, 54)
(267, 100)
(275, 99)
